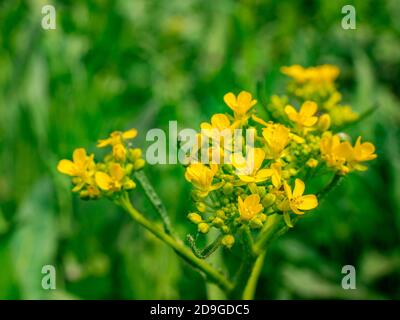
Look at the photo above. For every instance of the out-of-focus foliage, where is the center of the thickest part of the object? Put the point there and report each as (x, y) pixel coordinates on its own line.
(121, 64)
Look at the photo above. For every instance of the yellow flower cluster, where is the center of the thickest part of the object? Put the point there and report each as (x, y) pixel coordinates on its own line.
(107, 178)
(316, 84)
(269, 177)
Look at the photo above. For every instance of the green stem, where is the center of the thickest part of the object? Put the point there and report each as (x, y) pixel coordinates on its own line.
(330, 186)
(155, 201)
(247, 265)
(211, 273)
(250, 289)
(273, 225)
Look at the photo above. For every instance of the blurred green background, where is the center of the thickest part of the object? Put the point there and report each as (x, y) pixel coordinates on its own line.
(115, 64)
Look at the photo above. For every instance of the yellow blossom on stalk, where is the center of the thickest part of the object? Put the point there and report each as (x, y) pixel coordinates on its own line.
(276, 174)
(113, 180)
(334, 152)
(248, 169)
(240, 104)
(201, 177)
(305, 117)
(276, 137)
(116, 140)
(250, 207)
(219, 121)
(117, 137)
(296, 201)
(320, 74)
(220, 130)
(361, 152)
(82, 168)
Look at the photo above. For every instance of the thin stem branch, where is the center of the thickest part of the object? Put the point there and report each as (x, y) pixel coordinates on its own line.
(155, 201)
(250, 289)
(211, 273)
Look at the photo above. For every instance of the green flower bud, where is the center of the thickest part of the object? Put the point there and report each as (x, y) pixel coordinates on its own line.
(221, 214)
(201, 206)
(225, 229)
(134, 154)
(194, 217)
(128, 169)
(268, 200)
(262, 191)
(255, 223)
(203, 227)
(139, 164)
(262, 217)
(228, 188)
(228, 241)
(129, 184)
(218, 222)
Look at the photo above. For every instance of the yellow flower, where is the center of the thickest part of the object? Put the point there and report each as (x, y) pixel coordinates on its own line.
(219, 121)
(117, 137)
(202, 177)
(334, 152)
(320, 74)
(305, 117)
(276, 174)
(248, 169)
(250, 207)
(111, 181)
(220, 130)
(240, 104)
(119, 152)
(82, 167)
(296, 200)
(276, 137)
(361, 152)
(78, 167)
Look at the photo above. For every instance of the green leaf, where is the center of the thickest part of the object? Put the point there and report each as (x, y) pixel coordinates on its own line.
(33, 245)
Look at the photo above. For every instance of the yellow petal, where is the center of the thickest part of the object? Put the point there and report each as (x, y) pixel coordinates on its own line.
(295, 209)
(259, 120)
(103, 180)
(308, 109)
(245, 100)
(79, 155)
(247, 179)
(103, 143)
(116, 172)
(309, 202)
(230, 100)
(67, 167)
(298, 188)
(130, 134)
(288, 190)
(220, 121)
(289, 110)
(263, 175)
(310, 121)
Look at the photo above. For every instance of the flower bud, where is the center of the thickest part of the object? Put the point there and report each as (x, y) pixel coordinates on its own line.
(203, 227)
(227, 188)
(312, 163)
(255, 223)
(221, 214)
(201, 206)
(135, 154)
(228, 241)
(129, 184)
(119, 152)
(194, 217)
(218, 222)
(268, 200)
(139, 164)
